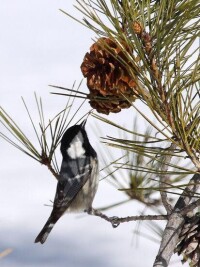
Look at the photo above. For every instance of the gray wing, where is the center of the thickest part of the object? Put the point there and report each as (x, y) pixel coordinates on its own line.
(73, 176)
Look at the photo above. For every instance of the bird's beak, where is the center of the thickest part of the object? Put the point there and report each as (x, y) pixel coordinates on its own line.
(83, 123)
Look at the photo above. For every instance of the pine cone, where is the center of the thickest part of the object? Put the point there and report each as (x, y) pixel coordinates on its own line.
(189, 241)
(107, 78)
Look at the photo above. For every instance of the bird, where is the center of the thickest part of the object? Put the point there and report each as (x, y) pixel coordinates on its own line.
(78, 177)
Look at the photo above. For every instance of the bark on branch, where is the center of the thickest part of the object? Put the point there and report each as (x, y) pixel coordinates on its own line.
(176, 220)
(164, 178)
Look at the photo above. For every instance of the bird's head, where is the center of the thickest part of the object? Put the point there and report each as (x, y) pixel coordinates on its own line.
(74, 142)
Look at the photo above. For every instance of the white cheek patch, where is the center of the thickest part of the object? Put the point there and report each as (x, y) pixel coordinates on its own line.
(76, 149)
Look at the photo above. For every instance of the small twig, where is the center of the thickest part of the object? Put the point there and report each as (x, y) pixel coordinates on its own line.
(47, 162)
(165, 201)
(164, 177)
(55, 174)
(115, 221)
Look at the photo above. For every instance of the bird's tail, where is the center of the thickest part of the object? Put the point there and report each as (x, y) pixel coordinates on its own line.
(46, 229)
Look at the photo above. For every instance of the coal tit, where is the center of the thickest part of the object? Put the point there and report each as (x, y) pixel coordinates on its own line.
(78, 180)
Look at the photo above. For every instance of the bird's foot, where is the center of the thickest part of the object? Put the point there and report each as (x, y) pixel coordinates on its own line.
(114, 221)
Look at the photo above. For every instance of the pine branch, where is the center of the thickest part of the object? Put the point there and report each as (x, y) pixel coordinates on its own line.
(164, 178)
(176, 220)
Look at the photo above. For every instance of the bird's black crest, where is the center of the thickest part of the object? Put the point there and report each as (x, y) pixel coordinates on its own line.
(69, 136)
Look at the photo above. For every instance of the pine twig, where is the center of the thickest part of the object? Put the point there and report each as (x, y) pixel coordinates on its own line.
(55, 174)
(5, 253)
(115, 221)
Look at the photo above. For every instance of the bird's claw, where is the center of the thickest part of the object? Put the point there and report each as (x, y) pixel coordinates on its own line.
(90, 211)
(114, 221)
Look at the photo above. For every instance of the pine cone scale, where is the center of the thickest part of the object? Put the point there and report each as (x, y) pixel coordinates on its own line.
(189, 241)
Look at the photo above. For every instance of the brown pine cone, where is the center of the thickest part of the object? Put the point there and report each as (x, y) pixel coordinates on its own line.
(107, 78)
